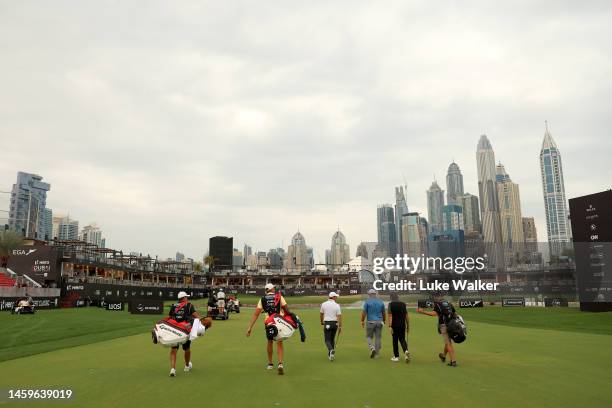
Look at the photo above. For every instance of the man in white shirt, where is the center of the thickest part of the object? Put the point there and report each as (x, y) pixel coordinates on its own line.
(221, 301)
(331, 320)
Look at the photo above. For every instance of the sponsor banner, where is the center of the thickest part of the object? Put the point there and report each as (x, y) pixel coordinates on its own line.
(471, 303)
(555, 302)
(39, 262)
(425, 303)
(513, 302)
(114, 305)
(146, 306)
(121, 293)
(39, 303)
(591, 218)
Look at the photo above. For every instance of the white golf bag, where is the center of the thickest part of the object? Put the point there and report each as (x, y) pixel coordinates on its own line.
(169, 333)
(279, 328)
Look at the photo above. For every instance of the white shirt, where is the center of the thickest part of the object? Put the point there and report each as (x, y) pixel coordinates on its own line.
(220, 295)
(331, 311)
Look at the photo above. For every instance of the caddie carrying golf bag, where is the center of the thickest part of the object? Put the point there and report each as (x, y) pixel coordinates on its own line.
(456, 329)
(280, 327)
(168, 332)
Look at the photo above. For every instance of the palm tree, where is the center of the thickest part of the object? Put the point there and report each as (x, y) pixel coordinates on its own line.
(9, 240)
(210, 261)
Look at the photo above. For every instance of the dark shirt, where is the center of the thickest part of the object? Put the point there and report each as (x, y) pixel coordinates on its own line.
(182, 312)
(445, 313)
(398, 314)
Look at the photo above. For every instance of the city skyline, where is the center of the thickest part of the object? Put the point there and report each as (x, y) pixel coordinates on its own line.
(499, 175)
(221, 126)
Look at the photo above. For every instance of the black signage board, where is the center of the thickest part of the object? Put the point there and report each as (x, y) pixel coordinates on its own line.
(555, 302)
(591, 218)
(513, 302)
(114, 305)
(146, 306)
(471, 303)
(39, 262)
(425, 303)
(8, 303)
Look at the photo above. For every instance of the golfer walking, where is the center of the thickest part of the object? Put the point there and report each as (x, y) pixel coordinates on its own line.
(373, 319)
(399, 324)
(331, 320)
(271, 303)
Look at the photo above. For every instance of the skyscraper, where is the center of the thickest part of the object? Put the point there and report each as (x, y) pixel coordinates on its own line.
(489, 203)
(415, 231)
(435, 202)
(401, 208)
(28, 202)
(47, 234)
(454, 184)
(222, 251)
(93, 235)
(298, 256)
(67, 229)
(387, 238)
(530, 234)
(553, 187)
(471, 214)
(452, 216)
(510, 216)
(340, 252)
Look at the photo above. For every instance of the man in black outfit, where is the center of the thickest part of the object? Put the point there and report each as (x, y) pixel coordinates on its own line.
(399, 324)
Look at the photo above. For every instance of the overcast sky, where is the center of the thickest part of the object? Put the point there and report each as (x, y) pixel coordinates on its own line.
(170, 122)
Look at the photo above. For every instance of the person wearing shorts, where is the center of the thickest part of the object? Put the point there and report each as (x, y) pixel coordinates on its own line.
(271, 303)
(182, 312)
(444, 311)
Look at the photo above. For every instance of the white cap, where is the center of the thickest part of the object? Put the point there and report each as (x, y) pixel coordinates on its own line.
(333, 294)
(269, 286)
(372, 291)
(182, 294)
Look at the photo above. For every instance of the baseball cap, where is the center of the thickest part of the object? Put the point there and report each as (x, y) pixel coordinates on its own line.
(333, 294)
(269, 286)
(372, 292)
(182, 294)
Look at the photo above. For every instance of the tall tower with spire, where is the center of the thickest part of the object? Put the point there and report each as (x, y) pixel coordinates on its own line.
(401, 209)
(489, 202)
(553, 187)
(435, 202)
(454, 184)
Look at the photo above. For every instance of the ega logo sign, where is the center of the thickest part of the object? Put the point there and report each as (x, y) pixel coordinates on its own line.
(24, 252)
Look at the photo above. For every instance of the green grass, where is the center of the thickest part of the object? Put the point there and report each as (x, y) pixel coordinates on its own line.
(500, 365)
(565, 319)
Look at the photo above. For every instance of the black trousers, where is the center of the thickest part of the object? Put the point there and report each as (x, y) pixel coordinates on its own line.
(399, 336)
(329, 332)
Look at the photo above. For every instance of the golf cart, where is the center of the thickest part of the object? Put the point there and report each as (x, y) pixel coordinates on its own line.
(23, 306)
(213, 309)
(233, 304)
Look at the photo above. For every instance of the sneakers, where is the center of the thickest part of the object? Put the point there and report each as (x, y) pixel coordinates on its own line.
(331, 355)
(188, 367)
(452, 364)
(372, 352)
(281, 369)
(407, 356)
(270, 366)
(442, 357)
(395, 359)
(172, 372)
